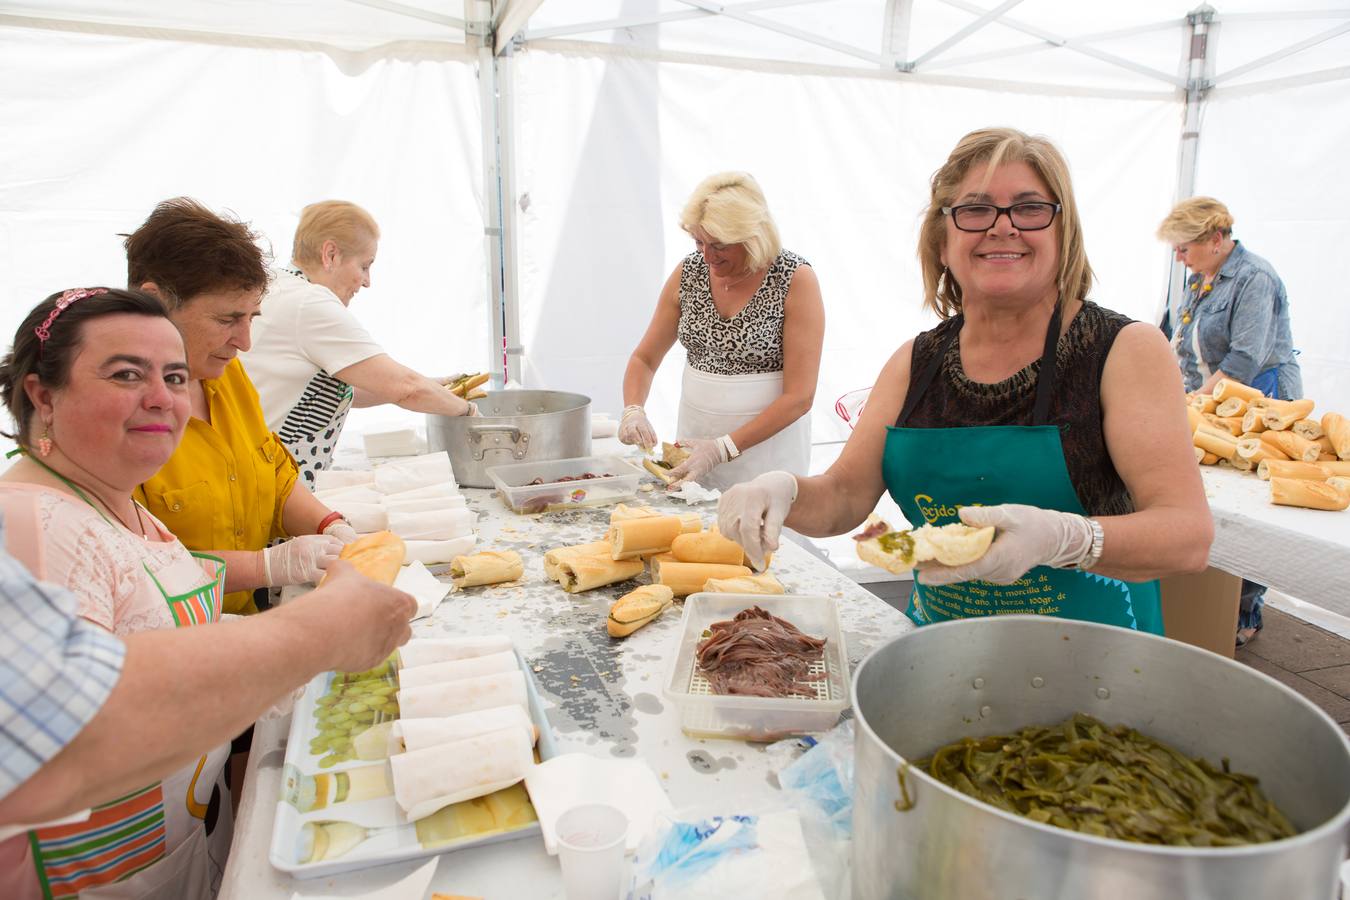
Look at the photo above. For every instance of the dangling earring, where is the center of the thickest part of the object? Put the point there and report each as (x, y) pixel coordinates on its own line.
(45, 443)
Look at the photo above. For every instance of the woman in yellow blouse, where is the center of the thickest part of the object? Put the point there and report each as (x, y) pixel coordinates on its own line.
(230, 487)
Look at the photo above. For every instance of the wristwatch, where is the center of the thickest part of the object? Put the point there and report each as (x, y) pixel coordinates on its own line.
(728, 447)
(1094, 554)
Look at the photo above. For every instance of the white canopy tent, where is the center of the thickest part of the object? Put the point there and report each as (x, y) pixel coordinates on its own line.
(527, 160)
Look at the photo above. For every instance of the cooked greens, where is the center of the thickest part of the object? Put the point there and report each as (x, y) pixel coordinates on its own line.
(1111, 782)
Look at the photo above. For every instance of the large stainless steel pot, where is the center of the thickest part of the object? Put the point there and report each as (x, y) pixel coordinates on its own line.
(513, 426)
(981, 677)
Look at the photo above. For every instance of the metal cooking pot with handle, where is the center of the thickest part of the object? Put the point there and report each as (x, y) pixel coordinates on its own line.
(512, 426)
(979, 677)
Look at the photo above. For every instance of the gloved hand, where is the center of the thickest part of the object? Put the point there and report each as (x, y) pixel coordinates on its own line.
(473, 410)
(342, 530)
(449, 379)
(635, 429)
(1027, 537)
(705, 454)
(752, 513)
(301, 560)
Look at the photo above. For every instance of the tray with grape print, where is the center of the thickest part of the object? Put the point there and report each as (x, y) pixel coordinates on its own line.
(338, 811)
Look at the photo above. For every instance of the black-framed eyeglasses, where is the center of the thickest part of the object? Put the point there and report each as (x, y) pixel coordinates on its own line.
(1030, 216)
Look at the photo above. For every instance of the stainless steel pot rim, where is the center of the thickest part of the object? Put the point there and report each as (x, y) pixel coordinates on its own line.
(1334, 824)
(580, 401)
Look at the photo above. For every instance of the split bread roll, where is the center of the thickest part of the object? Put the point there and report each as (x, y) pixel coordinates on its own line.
(1207, 459)
(1252, 422)
(454, 669)
(1232, 425)
(1255, 450)
(1225, 388)
(1278, 468)
(1337, 427)
(410, 735)
(1232, 406)
(1307, 494)
(671, 456)
(707, 547)
(636, 608)
(1292, 445)
(450, 698)
(623, 512)
(433, 778)
(554, 557)
(1193, 418)
(898, 551)
(685, 578)
(1204, 403)
(1280, 414)
(745, 584)
(378, 556)
(1308, 428)
(426, 651)
(584, 573)
(487, 567)
(631, 538)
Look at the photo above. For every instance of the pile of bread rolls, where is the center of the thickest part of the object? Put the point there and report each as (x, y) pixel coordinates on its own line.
(684, 559)
(1305, 459)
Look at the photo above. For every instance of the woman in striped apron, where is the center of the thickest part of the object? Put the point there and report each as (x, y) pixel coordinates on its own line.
(97, 383)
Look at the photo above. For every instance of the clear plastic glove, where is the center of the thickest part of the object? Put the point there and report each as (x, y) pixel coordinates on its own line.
(752, 514)
(342, 530)
(635, 429)
(301, 560)
(704, 456)
(1027, 536)
(473, 409)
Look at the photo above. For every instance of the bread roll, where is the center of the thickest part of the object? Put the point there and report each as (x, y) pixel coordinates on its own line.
(658, 558)
(1200, 454)
(671, 456)
(1256, 450)
(631, 538)
(690, 522)
(746, 561)
(1221, 444)
(745, 584)
(1242, 464)
(1252, 422)
(1274, 468)
(636, 608)
(1227, 387)
(659, 471)
(555, 556)
(1231, 406)
(1292, 445)
(1233, 426)
(1193, 418)
(584, 573)
(487, 567)
(623, 512)
(707, 547)
(685, 578)
(1280, 414)
(1208, 459)
(378, 556)
(1308, 428)
(1307, 494)
(1337, 427)
(1204, 403)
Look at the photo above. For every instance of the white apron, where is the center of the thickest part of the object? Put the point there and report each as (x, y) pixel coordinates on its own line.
(714, 405)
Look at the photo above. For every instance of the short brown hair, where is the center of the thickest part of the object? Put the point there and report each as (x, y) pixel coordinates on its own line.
(340, 221)
(51, 359)
(1195, 218)
(186, 250)
(999, 146)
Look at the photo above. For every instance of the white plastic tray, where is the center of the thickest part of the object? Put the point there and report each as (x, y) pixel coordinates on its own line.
(705, 714)
(376, 828)
(513, 483)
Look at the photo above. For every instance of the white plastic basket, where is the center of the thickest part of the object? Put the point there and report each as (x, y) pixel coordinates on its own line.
(705, 714)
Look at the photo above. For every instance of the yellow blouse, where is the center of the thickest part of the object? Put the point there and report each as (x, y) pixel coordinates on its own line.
(225, 485)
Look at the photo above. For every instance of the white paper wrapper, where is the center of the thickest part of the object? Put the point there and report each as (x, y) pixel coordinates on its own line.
(431, 490)
(358, 494)
(401, 442)
(433, 778)
(693, 492)
(407, 475)
(334, 479)
(426, 590)
(425, 651)
(558, 784)
(432, 525)
(418, 734)
(425, 504)
(450, 698)
(454, 669)
(365, 517)
(431, 553)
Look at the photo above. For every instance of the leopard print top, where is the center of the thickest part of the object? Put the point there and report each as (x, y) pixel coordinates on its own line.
(748, 343)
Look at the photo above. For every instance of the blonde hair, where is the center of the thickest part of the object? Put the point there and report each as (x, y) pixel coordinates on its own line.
(1195, 218)
(731, 208)
(345, 224)
(997, 147)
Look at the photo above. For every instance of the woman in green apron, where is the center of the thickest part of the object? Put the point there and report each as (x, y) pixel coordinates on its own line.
(1028, 408)
(97, 384)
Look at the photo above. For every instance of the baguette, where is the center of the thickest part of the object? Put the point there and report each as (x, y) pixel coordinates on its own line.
(378, 556)
(1251, 421)
(658, 470)
(1231, 406)
(1337, 427)
(1275, 468)
(1254, 450)
(671, 456)
(1307, 494)
(1242, 464)
(631, 538)
(554, 557)
(623, 512)
(1308, 428)
(585, 573)
(707, 547)
(635, 609)
(1292, 445)
(1221, 444)
(1193, 417)
(487, 567)
(1280, 414)
(686, 578)
(1204, 403)
(745, 584)
(1227, 387)
(465, 385)
(1208, 459)
(898, 551)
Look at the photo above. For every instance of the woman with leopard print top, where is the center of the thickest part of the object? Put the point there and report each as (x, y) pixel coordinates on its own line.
(752, 324)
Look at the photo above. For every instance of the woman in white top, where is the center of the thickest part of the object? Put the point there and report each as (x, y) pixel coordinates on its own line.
(312, 360)
(752, 323)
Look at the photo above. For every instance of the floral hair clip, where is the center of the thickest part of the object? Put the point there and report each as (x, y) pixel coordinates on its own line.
(44, 331)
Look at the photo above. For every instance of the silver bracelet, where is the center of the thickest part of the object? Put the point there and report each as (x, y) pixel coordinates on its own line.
(1094, 554)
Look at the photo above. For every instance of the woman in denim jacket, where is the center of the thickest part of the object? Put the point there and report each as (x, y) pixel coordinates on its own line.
(1233, 323)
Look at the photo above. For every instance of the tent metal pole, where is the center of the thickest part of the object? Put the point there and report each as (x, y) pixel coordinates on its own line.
(411, 12)
(640, 21)
(895, 33)
(986, 16)
(1287, 51)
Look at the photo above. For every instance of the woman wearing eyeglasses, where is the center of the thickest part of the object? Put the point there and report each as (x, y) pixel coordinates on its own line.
(1029, 408)
(752, 323)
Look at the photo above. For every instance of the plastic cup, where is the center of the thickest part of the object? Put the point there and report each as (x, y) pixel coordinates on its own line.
(591, 844)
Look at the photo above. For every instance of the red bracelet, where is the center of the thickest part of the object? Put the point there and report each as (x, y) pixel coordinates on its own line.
(329, 520)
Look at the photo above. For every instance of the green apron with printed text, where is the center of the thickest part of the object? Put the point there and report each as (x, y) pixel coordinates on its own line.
(933, 472)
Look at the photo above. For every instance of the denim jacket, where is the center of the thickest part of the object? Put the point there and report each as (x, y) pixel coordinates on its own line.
(1240, 325)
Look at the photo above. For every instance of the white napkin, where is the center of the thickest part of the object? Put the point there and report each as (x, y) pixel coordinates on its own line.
(361, 493)
(443, 489)
(435, 777)
(365, 517)
(450, 698)
(433, 553)
(602, 426)
(693, 492)
(401, 442)
(332, 479)
(432, 525)
(426, 590)
(491, 664)
(558, 784)
(425, 651)
(419, 472)
(419, 734)
(425, 504)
